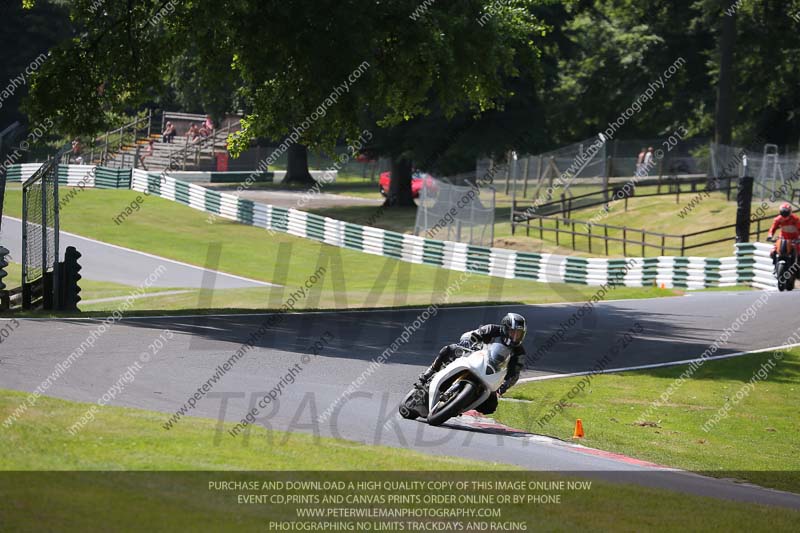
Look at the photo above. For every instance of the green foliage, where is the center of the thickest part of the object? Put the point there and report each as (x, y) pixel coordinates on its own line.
(286, 58)
(475, 77)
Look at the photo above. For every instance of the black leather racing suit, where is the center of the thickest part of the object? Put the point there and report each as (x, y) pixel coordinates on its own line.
(484, 334)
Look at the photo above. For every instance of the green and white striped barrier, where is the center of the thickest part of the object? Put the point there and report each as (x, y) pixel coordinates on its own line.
(754, 265)
(73, 175)
(684, 272)
(749, 266)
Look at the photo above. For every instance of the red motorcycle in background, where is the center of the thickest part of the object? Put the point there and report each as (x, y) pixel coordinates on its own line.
(418, 180)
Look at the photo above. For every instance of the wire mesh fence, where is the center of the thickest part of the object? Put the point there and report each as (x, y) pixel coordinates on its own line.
(591, 166)
(40, 232)
(456, 208)
(576, 164)
(776, 175)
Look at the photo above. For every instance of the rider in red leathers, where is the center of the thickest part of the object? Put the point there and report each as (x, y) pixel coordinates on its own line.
(789, 224)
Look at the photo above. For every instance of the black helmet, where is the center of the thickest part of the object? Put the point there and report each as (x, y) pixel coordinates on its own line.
(514, 328)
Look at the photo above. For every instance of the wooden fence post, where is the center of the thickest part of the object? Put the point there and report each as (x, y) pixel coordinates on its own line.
(573, 234)
(644, 237)
(557, 243)
(625, 240)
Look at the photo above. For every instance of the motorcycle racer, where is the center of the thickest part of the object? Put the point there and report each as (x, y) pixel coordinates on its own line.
(788, 223)
(511, 332)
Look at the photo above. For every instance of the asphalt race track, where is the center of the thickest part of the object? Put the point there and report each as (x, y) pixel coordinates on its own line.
(105, 262)
(672, 329)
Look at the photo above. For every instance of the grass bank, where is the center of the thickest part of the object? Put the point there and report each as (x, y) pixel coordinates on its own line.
(756, 439)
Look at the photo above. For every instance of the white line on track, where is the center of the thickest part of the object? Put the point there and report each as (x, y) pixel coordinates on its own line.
(657, 365)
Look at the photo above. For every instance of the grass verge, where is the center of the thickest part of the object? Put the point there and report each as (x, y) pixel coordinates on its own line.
(352, 279)
(126, 439)
(756, 441)
(90, 289)
(655, 214)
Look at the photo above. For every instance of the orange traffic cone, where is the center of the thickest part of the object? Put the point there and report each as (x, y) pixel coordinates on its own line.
(663, 286)
(578, 429)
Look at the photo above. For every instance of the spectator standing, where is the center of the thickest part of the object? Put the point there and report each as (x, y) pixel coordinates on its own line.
(648, 162)
(640, 161)
(77, 158)
(148, 152)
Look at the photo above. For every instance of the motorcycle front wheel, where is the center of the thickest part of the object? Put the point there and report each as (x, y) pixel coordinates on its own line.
(442, 412)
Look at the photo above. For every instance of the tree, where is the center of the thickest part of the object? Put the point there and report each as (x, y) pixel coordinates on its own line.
(607, 53)
(312, 79)
(450, 146)
(723, 119)
(25, 37)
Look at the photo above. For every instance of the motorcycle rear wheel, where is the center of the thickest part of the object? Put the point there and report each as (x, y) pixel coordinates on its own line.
(783, 282)
(406, 408)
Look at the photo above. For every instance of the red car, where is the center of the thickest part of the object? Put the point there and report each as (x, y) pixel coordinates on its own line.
(417, 180)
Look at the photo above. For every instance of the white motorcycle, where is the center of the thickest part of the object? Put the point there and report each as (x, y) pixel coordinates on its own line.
(462, 385)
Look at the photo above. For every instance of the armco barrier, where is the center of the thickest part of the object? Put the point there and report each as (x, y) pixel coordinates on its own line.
(749, 266)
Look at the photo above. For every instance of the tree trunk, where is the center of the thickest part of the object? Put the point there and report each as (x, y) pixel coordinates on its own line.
(723, 120)
(297, 166)
(400, 185)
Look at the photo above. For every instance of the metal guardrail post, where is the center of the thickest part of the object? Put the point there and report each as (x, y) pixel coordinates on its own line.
(513, 210)
(508, 172)
(525, 177)
(25, 287)
(56, 235)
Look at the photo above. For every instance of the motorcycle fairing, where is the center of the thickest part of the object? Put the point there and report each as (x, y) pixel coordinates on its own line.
(476, 364)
